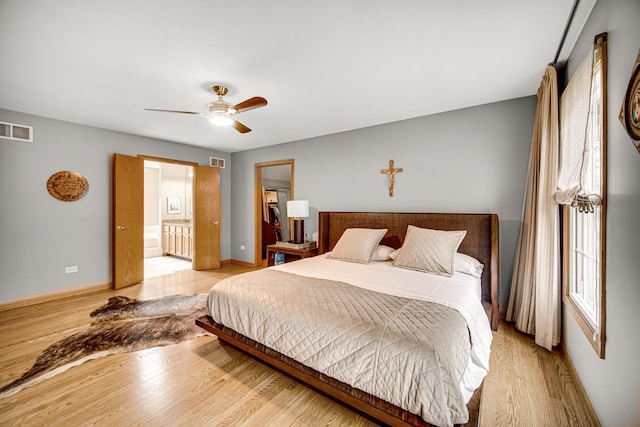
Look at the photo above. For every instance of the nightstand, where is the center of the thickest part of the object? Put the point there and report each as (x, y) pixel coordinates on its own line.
(290, 253)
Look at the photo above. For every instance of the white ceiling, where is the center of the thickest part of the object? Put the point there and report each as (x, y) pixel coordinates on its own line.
(324, 66)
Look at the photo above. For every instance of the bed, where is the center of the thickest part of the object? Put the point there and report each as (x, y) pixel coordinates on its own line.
(362, 332)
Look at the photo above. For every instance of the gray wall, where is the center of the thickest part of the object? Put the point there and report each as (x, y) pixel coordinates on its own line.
(471, 160)
(613, 384)
(42, 235)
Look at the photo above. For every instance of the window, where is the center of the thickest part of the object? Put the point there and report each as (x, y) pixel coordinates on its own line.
(584, 219)
(585, 263)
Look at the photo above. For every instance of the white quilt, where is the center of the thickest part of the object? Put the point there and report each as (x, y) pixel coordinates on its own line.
(390, 335)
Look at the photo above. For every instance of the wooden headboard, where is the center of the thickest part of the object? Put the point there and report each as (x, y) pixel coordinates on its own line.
(481, 241)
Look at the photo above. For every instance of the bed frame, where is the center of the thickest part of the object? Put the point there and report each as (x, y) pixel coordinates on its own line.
(481, 242)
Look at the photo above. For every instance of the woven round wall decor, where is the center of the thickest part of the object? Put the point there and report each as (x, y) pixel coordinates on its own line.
(67, 186)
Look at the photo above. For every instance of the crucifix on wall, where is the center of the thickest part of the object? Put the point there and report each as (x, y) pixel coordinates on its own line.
(391, 174)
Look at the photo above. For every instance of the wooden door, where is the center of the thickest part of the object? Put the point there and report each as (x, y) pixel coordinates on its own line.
(128, 220)
(206, 218)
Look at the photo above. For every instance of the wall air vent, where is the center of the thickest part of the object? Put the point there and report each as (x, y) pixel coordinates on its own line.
(16, 132)
(215, 162)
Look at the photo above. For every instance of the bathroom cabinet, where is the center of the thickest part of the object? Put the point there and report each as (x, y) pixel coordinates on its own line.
(177, 239)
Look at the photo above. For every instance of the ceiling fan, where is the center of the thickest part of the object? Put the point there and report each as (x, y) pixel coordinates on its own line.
(221, 113)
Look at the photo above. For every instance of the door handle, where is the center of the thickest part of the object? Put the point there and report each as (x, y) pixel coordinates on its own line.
(215, 222)
(120, 228)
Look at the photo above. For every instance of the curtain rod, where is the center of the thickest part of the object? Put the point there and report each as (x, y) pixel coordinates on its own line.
(566, 31)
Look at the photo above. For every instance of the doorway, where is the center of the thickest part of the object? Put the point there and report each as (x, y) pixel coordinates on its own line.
(168, 217)
(128, 218)
(274, 187)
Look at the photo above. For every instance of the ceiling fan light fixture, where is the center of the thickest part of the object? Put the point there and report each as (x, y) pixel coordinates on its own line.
(221, 113)
(222, 118)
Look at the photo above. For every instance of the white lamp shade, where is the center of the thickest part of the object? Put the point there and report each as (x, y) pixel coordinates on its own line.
(298, 208)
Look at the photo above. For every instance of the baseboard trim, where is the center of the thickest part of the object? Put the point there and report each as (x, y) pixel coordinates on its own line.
(38, 299)
(242, 263)
(579, 386)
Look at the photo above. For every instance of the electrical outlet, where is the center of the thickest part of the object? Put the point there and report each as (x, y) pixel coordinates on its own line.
(243, 247)
(71, 269)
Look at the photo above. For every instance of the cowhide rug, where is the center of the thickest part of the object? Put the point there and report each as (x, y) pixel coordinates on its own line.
(122, 325)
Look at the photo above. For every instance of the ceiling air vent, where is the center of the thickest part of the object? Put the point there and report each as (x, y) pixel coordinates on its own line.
(215, 162)
(16, 132)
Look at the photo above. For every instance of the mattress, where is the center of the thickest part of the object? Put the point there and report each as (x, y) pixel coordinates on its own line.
(413, 339)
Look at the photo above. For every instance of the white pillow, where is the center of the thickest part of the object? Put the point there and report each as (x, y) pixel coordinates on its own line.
(431, 251)
(357, 244)
(468, 265)
(382, 253)
(462, 263)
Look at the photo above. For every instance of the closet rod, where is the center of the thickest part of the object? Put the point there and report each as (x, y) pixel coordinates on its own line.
(566, 30)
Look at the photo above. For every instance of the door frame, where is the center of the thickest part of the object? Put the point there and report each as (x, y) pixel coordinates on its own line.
(142, 158)
(165, 160)
(258, 202)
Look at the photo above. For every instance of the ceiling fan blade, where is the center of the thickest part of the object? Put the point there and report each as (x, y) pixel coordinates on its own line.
(240, 127)
(174, 111)
(250, 104)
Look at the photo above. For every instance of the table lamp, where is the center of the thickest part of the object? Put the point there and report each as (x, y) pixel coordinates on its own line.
(298, 209)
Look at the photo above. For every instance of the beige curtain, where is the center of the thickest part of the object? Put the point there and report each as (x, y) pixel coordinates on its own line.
(534, 303)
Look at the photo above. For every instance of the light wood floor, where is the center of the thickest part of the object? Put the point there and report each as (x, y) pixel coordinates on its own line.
(204, 383)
